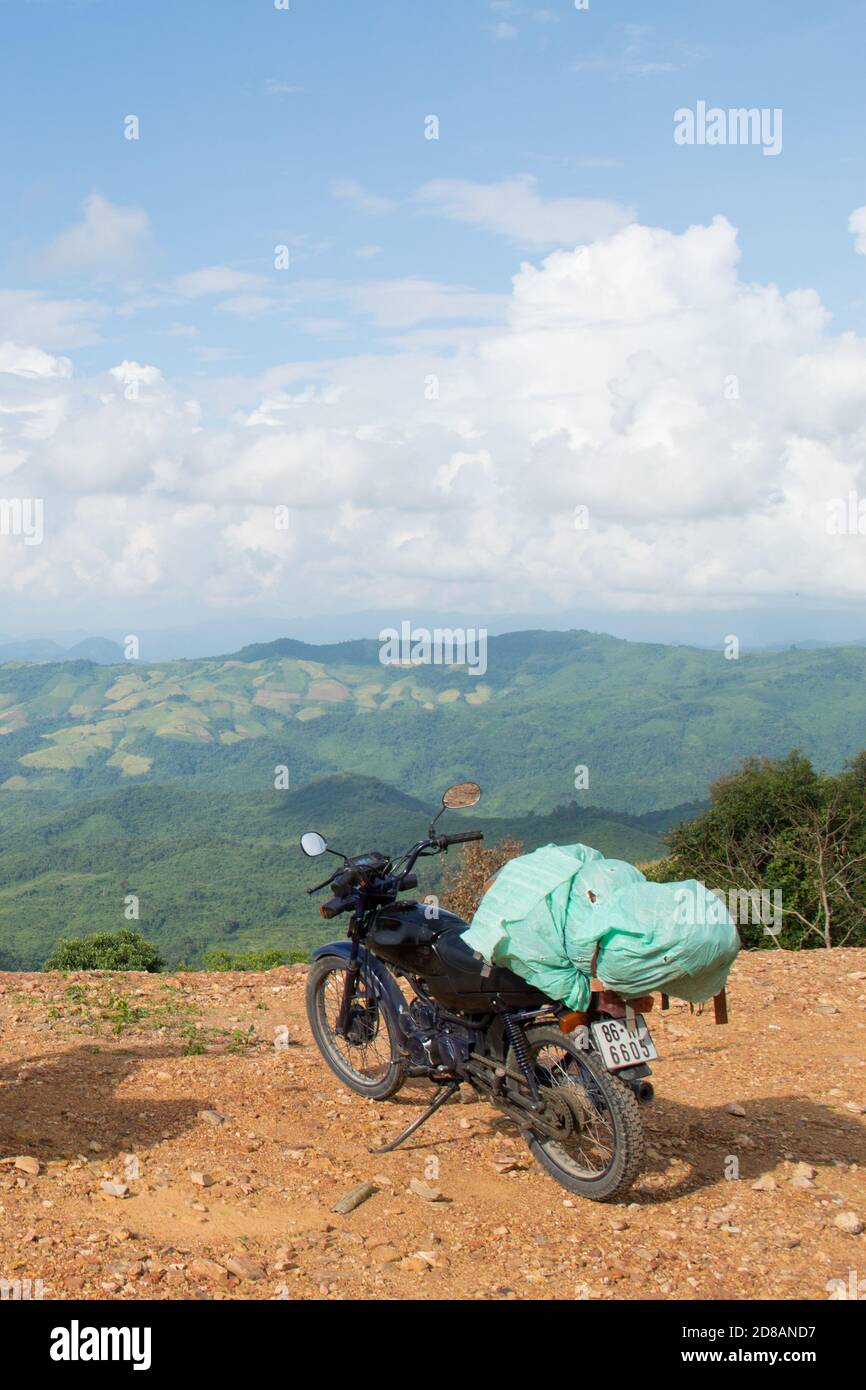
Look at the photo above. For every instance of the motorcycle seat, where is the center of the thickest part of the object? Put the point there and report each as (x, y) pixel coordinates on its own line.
(472, 974)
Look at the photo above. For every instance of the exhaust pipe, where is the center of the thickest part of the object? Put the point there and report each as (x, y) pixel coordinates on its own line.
(644, 1091)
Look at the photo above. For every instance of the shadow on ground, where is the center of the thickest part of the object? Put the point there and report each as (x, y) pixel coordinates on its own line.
(53, 1105)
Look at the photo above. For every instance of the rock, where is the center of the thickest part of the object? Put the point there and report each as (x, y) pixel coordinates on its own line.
(825, 1009)
(803, 1175)
(362, 1193)
(849, 1222)
(430, 1194)
(244, 1268)
(202, 1179)
(766, 1183)
(27, 1164)
(735, 1109)
(115, 1189)
(208, 1269)
(212, 1117)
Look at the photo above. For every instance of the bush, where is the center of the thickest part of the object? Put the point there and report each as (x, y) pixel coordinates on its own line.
(253, 960)
(120, 950)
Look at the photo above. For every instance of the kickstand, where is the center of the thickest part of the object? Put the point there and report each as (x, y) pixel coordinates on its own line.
(445, 1094)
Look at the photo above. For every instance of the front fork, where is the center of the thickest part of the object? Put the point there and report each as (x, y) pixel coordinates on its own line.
(353, 966)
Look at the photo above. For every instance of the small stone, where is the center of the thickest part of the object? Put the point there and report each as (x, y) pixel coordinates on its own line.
(735, 1109)
(208, 1269)
(202, 1179)
(355, 1198)
(803, 1175)
(115, 1189)
(766, 1183)
(849, 1222)
(27, 1164)
(244, 1268)
(430, 1194)
(212, 1117)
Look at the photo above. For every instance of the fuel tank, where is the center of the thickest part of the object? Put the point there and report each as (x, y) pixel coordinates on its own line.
(410, 937)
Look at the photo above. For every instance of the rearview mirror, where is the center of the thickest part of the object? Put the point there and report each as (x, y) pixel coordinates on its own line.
(313, 844)
(462, 794)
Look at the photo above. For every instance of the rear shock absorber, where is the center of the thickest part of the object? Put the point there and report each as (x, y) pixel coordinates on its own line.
(517, 1039)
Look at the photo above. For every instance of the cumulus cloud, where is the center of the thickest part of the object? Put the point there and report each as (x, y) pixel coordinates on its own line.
(704, 422)
(515, 209)
(108, 241)
(857, 226)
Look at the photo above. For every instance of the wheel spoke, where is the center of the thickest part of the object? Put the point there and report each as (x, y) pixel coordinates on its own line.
(365, 1058)
(589, 1150)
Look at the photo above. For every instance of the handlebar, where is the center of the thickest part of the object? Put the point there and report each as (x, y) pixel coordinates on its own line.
(346, 878)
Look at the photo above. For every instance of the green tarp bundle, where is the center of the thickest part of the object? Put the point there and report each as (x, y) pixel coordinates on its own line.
(539, 920)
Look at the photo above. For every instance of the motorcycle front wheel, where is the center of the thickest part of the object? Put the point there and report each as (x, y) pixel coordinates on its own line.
(367, 1059)
(597, 1149)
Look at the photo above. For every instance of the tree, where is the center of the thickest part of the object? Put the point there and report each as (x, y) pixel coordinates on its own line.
(777, 827)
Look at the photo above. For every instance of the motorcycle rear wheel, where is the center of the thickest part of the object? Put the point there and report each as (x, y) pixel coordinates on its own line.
(368, 1061)
(600, 1148)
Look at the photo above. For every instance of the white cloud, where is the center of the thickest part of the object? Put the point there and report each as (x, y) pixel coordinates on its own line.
(857, 225)
(248, 306)
(515, 208)
(109, 241)
(706, 422)
(348, 191)
(32, 362)
(30, 317)
(215, 279)
(400, 303)
(504, 30)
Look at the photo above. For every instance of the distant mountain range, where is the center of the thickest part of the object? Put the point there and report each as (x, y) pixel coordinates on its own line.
(628, 726)
(97, 649)
(161, 779)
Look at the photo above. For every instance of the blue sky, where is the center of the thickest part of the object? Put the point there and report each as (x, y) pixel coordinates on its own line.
(261, 127)
(230, 164)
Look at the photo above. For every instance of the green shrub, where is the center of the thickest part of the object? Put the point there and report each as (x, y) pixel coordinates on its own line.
(120, 950)
(253, 960)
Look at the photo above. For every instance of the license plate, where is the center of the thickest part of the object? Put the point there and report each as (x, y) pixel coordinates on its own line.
(621, 1047)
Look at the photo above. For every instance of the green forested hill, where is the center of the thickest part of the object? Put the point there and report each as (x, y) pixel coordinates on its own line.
(653, 724)
(159, 779)
(220, 869)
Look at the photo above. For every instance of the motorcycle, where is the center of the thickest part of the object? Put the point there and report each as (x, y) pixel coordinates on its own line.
(404, 996)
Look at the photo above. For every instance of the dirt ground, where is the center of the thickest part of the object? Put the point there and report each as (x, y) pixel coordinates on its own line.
(180, 1137)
